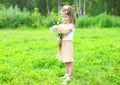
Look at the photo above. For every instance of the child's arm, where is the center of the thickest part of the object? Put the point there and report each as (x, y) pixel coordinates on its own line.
(62, 30)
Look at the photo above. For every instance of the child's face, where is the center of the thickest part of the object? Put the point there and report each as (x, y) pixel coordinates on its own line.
(65, 18)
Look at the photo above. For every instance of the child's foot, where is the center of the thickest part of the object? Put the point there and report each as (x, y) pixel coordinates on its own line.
(66, 80)
(63, 77)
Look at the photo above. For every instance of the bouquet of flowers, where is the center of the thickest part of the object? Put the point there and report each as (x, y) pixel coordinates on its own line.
(54, 29)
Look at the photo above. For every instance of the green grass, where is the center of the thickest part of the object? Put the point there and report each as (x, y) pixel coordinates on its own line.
(27, 57)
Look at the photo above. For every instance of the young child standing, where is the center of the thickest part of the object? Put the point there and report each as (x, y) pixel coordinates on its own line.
(66, 29)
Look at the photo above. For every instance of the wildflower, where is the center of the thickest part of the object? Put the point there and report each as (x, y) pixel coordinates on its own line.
(54, 29)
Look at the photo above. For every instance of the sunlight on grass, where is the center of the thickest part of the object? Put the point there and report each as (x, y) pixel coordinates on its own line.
(27, 57)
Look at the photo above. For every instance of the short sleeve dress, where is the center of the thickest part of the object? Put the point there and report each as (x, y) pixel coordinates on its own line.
(65, 54)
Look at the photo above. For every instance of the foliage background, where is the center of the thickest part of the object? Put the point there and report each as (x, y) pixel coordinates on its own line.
(13, 17)
(37, 13)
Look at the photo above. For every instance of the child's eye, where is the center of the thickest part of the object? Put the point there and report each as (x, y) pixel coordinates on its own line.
(64, 17)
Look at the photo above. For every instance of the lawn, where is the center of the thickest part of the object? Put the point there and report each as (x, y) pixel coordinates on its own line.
(27, 57)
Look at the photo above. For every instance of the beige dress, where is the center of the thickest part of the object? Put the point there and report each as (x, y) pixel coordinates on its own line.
(65, 54)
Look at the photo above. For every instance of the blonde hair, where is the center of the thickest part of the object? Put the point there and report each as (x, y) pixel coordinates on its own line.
(68, 10)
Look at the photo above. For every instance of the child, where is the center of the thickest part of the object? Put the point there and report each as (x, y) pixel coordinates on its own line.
(66, 30)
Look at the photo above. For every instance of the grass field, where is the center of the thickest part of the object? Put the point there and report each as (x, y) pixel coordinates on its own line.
(27, 57)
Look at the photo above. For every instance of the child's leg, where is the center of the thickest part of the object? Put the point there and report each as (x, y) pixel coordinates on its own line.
(69, 68)
(69, 72)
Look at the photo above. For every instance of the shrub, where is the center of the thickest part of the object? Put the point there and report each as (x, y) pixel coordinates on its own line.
(13, 17)
(85, 21)
(104, 20)
(115, 21)
(36, 16)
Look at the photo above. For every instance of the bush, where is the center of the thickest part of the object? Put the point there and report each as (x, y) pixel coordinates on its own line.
(115, 21)
(36, 16)
(13, 17)
(85, 21)
(104, 20)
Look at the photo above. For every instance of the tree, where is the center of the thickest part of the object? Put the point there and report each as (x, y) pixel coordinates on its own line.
(48, 9)
(84, 8)
(94, 7)
(59, 5)
(78, 8)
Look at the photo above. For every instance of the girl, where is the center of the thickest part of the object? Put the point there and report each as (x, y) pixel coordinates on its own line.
(66, 33)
